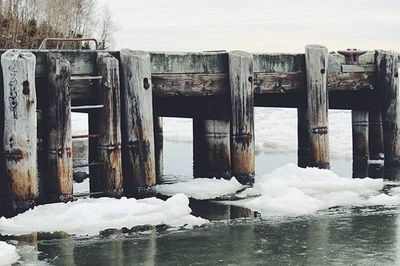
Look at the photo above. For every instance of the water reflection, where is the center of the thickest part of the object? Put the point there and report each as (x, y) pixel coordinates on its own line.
(337, 236)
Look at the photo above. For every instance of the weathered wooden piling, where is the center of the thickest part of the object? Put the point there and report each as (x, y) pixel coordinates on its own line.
(108, 177)
(242, 120)
(20, 135)
(159, 147)
(211, 148)
(375, 135)
(387, 67)
(59, 178)
(137, 135)
(313, 141)
(360, 143)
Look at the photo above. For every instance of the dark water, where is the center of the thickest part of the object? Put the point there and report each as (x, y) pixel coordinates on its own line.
(350, 236)
(235, 236)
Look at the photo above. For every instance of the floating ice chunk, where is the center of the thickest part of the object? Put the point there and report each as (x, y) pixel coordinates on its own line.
(89, 216)
(383, 199)
(8, 254)
(201, 188)
(291, 190)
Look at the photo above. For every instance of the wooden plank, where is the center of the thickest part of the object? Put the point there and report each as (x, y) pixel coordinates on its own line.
(211, 148)
(279, 63)
(138, 135)
(85, 92)
(360, 143)
(171, 85)
(375, 132)
(20, 135)
(109, 174)
(242, 120)
(194, 63)
(358, 68)
(387, 65)
(59, 184)
(313, 119)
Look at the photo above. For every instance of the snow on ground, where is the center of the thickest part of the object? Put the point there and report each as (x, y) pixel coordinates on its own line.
(276, 131)
(89, 216)
(201, 188)
(8, 254)
(292, 191)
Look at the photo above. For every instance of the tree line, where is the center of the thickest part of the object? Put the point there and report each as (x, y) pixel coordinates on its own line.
(25, 23)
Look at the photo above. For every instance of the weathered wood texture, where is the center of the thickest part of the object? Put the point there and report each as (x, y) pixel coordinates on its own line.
(211, 148)
(387, 65)
(20, 135)
(138, 135)
(159, 147)
(313, 120)
(108, 176)
(59, 184)
(375, 133)
(242, 121)
(360, 143)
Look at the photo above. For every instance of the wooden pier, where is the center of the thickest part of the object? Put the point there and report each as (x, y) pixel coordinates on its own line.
(126, 93)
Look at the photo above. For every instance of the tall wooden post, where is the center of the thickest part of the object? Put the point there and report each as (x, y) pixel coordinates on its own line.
(387, 66)
(108, 177)
(313, 117)
(159, 146)
(20, 135)
(137, 135)
(360, 143)
(375, 132)
(242, 120)
(211, 148)
(59, 177)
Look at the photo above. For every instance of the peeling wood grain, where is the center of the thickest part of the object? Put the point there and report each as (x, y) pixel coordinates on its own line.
(138, 135)
(59, 185)
(387, 65)
(242, 121)
(313, 119)
(108, 177)
(20, 135)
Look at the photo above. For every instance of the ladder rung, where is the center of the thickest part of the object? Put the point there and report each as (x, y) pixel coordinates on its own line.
(87, 164)
(85, 107)
(86, 136)
(86, 77)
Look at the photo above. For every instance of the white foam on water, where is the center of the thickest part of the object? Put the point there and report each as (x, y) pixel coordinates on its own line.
(8, 254)
(292, 191)
(276, 131)
(79, 123)
(90, 216)
(201, 188)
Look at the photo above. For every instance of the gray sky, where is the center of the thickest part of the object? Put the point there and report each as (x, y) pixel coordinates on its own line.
(255, 25)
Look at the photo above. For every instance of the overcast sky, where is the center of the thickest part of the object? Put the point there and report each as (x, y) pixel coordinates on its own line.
(255, 25)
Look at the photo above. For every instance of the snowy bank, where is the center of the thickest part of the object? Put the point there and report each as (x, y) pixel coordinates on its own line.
(290, 190)
(90, 216)
(8, 254)
(201, 188)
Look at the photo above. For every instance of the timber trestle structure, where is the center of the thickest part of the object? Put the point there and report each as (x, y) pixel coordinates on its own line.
(126, 94)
